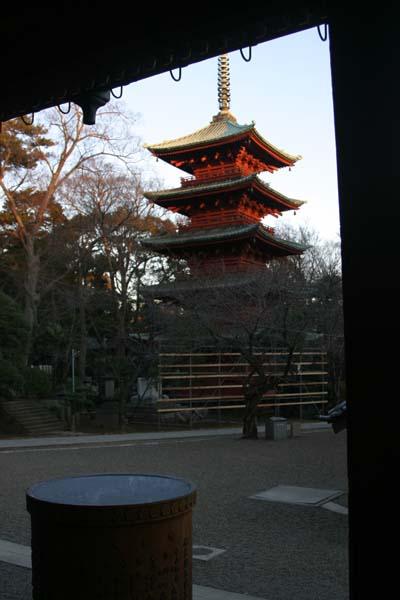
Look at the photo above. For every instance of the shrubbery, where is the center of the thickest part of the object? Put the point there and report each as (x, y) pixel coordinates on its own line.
(37, 383)
(11, 380)
(13, 336)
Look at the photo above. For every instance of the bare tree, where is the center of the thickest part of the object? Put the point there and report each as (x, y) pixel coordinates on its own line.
(321, 266)
(111, 217)
(328, 306)
(251, 313)
(35, 161)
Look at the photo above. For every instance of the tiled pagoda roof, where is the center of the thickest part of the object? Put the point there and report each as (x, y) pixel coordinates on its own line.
(220, 234)
(222, 128)
(216, 130)
(221, 185)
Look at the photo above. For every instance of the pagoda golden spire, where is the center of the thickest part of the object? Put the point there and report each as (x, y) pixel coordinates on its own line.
(224, 90)
(224, 84)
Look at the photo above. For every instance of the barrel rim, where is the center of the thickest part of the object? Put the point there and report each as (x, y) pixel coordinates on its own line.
(32, 499)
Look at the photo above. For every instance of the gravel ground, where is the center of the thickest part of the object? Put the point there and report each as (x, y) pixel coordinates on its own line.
(274, 551)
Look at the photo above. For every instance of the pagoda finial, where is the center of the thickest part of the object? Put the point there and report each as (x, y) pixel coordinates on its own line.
(224, 90)
(224, 84)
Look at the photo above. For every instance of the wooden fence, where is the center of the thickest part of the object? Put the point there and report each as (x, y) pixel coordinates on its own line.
(212, 381)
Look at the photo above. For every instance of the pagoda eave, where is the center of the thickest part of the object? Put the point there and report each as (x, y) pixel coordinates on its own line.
(202, 237)
(254, 234)
(181, 155)
(280, 247)
(285, 159)
(174, 199)
(219, 131)
(190, 148)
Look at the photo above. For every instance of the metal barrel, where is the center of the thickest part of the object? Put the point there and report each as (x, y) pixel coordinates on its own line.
(112, 537)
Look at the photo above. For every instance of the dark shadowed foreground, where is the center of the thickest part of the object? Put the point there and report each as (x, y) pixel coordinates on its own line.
(271, 550)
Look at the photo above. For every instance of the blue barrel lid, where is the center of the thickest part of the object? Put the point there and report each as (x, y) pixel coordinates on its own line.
(113, 489)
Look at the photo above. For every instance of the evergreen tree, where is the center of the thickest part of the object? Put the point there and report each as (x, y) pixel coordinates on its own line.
(13, 334)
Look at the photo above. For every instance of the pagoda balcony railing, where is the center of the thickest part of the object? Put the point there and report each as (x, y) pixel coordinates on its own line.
(212, 174)
(215, 221)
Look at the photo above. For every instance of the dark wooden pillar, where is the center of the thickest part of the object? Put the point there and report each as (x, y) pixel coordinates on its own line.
(366, 106)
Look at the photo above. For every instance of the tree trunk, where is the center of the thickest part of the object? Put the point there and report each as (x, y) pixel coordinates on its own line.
(123, 398)
(250, 416)
(122, 375)
(83, 335)
(254, 389)
(32, 296)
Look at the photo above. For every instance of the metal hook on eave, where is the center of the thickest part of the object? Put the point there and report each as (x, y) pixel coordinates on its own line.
(66, 111)
(27, 122)
(120, 93)
(179, 76)
(243, 56)
(323, 37)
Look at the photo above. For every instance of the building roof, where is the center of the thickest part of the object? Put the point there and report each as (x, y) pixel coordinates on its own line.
(222, 128)
(218, 129)
(212, 235)
(165, 197)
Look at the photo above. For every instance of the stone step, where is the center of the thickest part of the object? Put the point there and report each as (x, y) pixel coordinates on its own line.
(53, 427)
(32, 417)
(25, 411)
(41, 423)
(45, 417)
(28, 413)
(24, 403)
(19, 402)
(34, 411)
(28, 409)
(42, 419)
(33, 414)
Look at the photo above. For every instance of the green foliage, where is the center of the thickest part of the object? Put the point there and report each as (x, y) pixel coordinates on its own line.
(13, 336)
(80, 401)
(13, 330)
(54, 406)
(37, 383)
(11, 380)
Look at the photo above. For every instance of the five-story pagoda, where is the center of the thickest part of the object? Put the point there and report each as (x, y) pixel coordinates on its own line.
(223, 197)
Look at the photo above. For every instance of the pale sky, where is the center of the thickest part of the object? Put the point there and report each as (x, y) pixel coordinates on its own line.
(286, 89)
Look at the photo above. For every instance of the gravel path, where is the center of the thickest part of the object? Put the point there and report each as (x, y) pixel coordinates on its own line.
(274, 551)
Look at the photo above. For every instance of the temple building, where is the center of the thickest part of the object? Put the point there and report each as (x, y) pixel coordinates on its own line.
(222, 195)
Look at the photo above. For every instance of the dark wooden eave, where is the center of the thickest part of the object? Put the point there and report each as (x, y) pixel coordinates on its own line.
(51, 56)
